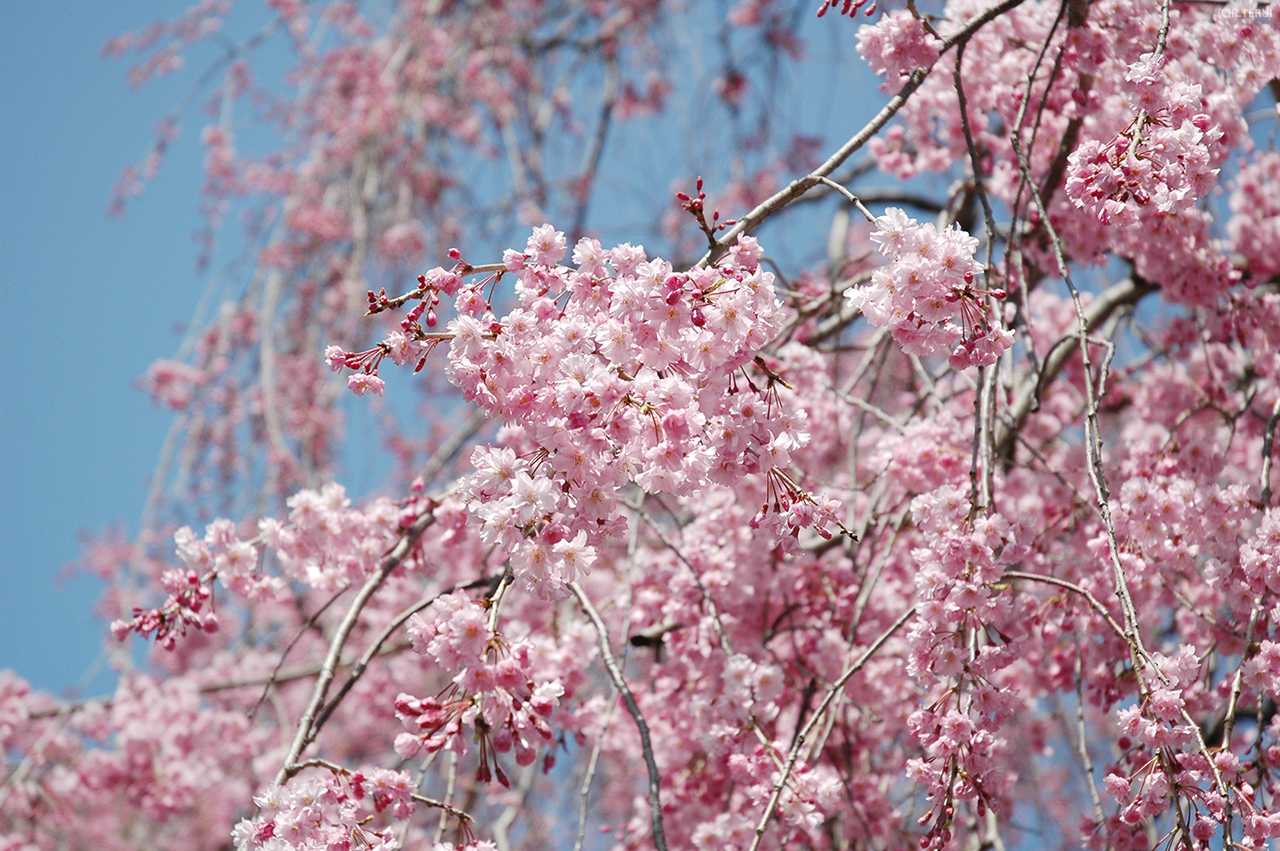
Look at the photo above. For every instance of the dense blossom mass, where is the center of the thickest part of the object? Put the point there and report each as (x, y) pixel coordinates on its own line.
(935, 511)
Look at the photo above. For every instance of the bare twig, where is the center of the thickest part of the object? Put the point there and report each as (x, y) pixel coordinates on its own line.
(452, 444)
(697, 577)
(1268, 442)
(376, 647)
(306, 732)
(1099, 310)
(591, 772)
(797, 188)
(441, 805)
(620, 683)
(798, 744)
(852, 199)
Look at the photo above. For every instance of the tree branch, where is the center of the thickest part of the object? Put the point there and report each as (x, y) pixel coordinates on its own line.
(620, 683)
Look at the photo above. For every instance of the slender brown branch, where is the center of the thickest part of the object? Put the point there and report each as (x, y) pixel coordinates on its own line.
(1268, 442)
(306, 729)
(441, 805)
(796, 188)
(796, 746)
(376, 647)
(1093, 601)
(620, 683)
(1028, 397)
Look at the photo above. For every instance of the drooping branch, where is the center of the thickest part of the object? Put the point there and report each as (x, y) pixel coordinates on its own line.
(306, 725)
(620, 683)
(798, 744)
(797, 188)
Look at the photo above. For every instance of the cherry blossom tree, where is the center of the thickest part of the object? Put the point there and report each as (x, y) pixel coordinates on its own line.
(950, 525)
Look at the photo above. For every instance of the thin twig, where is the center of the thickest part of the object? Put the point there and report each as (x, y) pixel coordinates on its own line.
(452, 444)
(620, 683)
(798, 744)
(591, 772)
(1268, 441)
(1093, 601)
(376, 647)
(394, 559)
(853, 199)
(697, 577)
(311, 621)
(453, 811)
(797, 188)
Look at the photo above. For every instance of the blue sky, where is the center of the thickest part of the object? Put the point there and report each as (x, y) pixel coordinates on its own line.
(88, 303)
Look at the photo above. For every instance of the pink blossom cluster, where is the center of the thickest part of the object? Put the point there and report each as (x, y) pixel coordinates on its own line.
(960, 730)
(1254, 226)
(618, 371)
(897, 45)
(332, 811)
(184, 608)
(812, 793)
(1161, 760)
(1163, 161)
(1147, 135)
(326, 542)
(134, 764)
(499, 699)
(926, 294)
(172, 382)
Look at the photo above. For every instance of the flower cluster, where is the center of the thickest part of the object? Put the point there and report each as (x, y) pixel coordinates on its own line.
(618, 371)
(926, 294)
(1254, 226)
(499, 695)
(960, 730)
(184, 608)
(328, 812)
(1161, 162)
(897, 45)
(1154, 769)
(327, 543)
